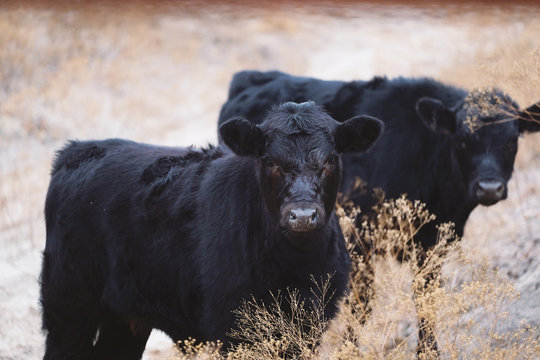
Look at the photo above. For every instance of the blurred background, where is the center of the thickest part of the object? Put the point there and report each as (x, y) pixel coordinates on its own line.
(158, 72)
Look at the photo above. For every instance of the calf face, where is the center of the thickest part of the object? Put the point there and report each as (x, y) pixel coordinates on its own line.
(297, 151)
(484, 135)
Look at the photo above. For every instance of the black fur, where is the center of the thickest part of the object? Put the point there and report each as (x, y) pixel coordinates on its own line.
(142, 237)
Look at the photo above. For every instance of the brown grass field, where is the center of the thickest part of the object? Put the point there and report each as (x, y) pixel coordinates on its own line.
(159, 74)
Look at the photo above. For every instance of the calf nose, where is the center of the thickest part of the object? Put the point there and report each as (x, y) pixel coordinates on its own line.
(303, 220)
(489, 192)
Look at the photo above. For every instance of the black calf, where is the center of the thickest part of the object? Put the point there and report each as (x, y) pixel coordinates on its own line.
(142, 237)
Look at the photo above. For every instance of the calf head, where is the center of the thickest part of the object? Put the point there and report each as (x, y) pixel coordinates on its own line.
(483, 130)
(297, 151)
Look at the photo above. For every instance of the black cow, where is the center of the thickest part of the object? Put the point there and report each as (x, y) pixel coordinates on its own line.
(428, 150)
(142, 237)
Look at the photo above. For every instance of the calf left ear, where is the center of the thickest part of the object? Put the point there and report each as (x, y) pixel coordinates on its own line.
(357, 134)
(529, 119)
(242, 136)
(436, 116)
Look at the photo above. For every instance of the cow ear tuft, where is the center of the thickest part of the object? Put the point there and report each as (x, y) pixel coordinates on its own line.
(529, 119)
(436, 116)
(242, 136)
(357, 134)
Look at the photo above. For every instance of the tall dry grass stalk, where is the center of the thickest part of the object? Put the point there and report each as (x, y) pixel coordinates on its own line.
(469, 302)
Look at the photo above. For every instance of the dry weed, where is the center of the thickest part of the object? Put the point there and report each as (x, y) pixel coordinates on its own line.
(191, 348)
(469, 303)
(269, 332)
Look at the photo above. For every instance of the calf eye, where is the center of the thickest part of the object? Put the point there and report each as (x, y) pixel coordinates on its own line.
(273, 169)
(269, 162)
(463, 145)
(330, 165)
(332, 160)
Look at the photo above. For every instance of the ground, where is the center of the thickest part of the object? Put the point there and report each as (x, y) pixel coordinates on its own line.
(159, 74)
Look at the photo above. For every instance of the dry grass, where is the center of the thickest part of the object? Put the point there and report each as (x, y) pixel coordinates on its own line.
(160, 76)
(468, 303)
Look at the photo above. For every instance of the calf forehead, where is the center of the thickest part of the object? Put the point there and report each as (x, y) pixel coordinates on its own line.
(292, 118)
(299, 130)
(499, 130)
(300, 149)
(492, 132)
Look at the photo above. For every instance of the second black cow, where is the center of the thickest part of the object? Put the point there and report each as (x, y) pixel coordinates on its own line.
(142, 237)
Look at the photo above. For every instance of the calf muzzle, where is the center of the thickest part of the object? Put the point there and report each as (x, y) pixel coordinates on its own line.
(489, 191)
(303, 219)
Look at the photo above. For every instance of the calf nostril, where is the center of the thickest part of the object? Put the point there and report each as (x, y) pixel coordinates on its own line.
(314, 217)
(292, 216)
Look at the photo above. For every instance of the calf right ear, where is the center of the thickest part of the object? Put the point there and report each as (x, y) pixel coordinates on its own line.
(242, 136)
(529, 119)
(357, 134)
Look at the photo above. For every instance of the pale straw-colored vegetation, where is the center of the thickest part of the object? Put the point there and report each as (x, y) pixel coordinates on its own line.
(159, 74)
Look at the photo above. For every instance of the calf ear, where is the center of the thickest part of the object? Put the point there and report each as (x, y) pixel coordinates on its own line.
(357, 134)
(529, 119)
(436, 116)
(242, 136)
